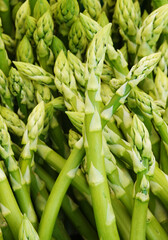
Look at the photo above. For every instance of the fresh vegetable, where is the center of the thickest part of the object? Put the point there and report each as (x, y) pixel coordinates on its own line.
(83, 119)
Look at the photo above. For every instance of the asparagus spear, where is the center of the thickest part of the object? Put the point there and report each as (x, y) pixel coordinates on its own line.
(92, 7)
(137, 73)
(65, 13)
(64, 179)
(24, 52)
(20, 19)
(35, 73)
(6, 96)
(27, 231)
(77, 39)
(128, 18)
(144, 170)
(16, 178)
(43, 40)
(106, 223)
(33, 129)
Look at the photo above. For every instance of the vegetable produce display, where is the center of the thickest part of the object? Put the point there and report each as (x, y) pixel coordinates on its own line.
(83, 119)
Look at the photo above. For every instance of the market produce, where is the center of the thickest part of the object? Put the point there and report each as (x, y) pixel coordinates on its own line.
(84, 119)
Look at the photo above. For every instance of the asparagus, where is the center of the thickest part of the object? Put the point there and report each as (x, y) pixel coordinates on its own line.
(41, 6)
(23, 90)
(144, 170)
(27, 231)
(77, 39)
(93, 134)
(64, 14)
(43, 40)
(35, 73)
(20, 19)
(33, 129)
(114, 58)
(137, 73)
(70, 208)
(92, 7)
(66, 84)
(150, 31)
(9, 206)
(5, 15)
(6, 96)
(52, 208)
(128, 18)
(56, 46)
(10, 44)
(24, 52)
(4, 60)
(16, 178)
(13, 123)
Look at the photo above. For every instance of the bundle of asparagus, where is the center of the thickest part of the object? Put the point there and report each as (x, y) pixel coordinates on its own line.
(83, 120)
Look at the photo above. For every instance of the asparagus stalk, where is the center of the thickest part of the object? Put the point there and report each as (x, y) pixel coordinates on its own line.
(64, 14)
(16, 178)
(33, 129)
(24, 52)
(64, 179)
(9, 206)
(106, 223)
(137, 73)
(70, 208)
(142, 144)
(20, 19)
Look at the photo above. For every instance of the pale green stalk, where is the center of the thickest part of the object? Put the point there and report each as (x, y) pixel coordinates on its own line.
(34, 127)
(70, 208)
(53, 203)
(149, 108)
(144, 170)
(20, 19)
(9, 206)
(92, 132)
(154, 230)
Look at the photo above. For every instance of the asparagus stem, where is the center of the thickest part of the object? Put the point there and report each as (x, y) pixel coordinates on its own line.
(70, 208)
(9, 206)
(56, 196)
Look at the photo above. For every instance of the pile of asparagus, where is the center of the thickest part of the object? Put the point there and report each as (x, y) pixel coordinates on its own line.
(83, 119)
